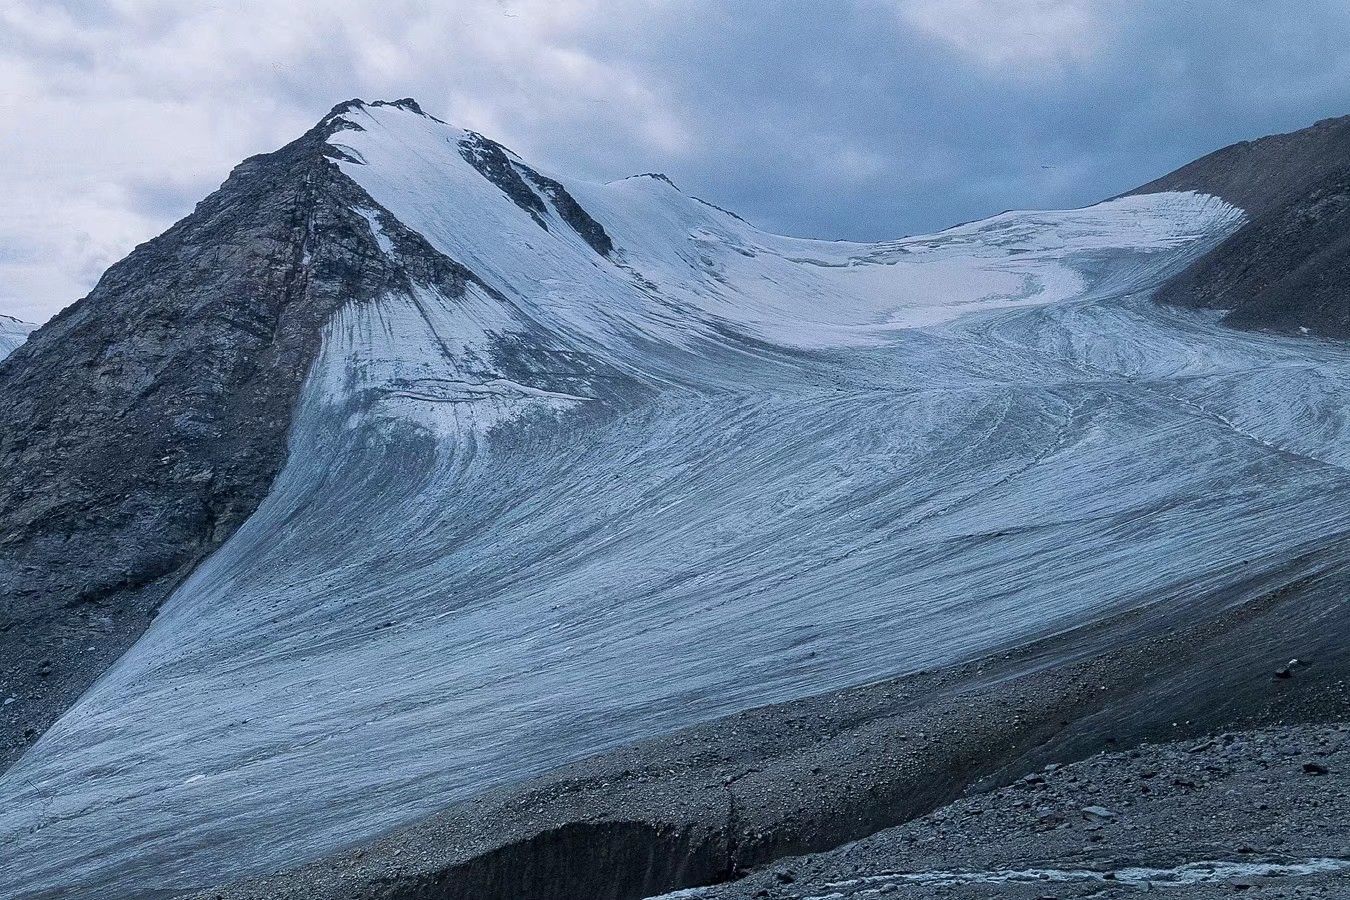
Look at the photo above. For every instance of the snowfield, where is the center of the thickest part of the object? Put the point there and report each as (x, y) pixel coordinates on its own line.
(600, 497)
(13, 332)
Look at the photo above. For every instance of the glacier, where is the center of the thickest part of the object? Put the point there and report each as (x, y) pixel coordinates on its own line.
(609, 493)
(13, 332)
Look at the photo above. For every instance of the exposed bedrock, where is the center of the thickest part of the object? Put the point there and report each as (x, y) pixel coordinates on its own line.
(1288, 268)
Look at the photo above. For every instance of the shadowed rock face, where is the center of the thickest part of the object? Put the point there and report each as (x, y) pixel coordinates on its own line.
(1288, 269)
(499, 166)
(144, 423)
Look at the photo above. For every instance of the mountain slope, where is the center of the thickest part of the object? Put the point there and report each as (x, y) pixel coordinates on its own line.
(157, 409)
(498, 470)
(1288, 269)
(1266, 174)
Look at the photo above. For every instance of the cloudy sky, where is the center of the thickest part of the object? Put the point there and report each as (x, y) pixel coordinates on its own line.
(855, 119)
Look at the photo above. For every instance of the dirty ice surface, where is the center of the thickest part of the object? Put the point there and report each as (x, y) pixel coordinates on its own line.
(1138, 877)
(596, 498)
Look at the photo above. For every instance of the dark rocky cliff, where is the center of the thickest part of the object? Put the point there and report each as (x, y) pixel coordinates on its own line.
(144, 423)
(1288, 268)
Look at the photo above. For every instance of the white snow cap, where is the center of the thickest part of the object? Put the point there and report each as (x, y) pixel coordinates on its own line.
(681, 266)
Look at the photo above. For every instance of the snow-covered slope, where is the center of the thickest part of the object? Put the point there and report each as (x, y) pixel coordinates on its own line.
(13, 332)
(681, 269)
(655, 466)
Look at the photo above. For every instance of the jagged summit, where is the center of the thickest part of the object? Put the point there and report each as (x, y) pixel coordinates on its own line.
(357, 103)
(542, 197)
(656, 176)
(407, 103)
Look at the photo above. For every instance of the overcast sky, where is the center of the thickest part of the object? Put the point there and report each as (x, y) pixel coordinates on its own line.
(860, 119)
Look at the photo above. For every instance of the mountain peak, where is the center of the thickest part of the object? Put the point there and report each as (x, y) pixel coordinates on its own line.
(407, 103)
(655, 176)
(441, 154)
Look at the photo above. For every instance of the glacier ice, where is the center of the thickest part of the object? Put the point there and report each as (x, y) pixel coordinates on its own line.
(599, 497)
(13, 332)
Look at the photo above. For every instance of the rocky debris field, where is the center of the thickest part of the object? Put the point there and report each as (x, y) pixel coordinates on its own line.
(1257, 814)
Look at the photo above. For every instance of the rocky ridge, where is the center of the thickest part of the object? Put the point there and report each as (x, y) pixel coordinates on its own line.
(1288, 268)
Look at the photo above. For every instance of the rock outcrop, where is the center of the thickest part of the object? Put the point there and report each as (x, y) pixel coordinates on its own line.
(1288, 268)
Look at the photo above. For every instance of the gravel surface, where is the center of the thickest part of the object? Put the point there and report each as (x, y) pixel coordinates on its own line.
(1261, 813)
